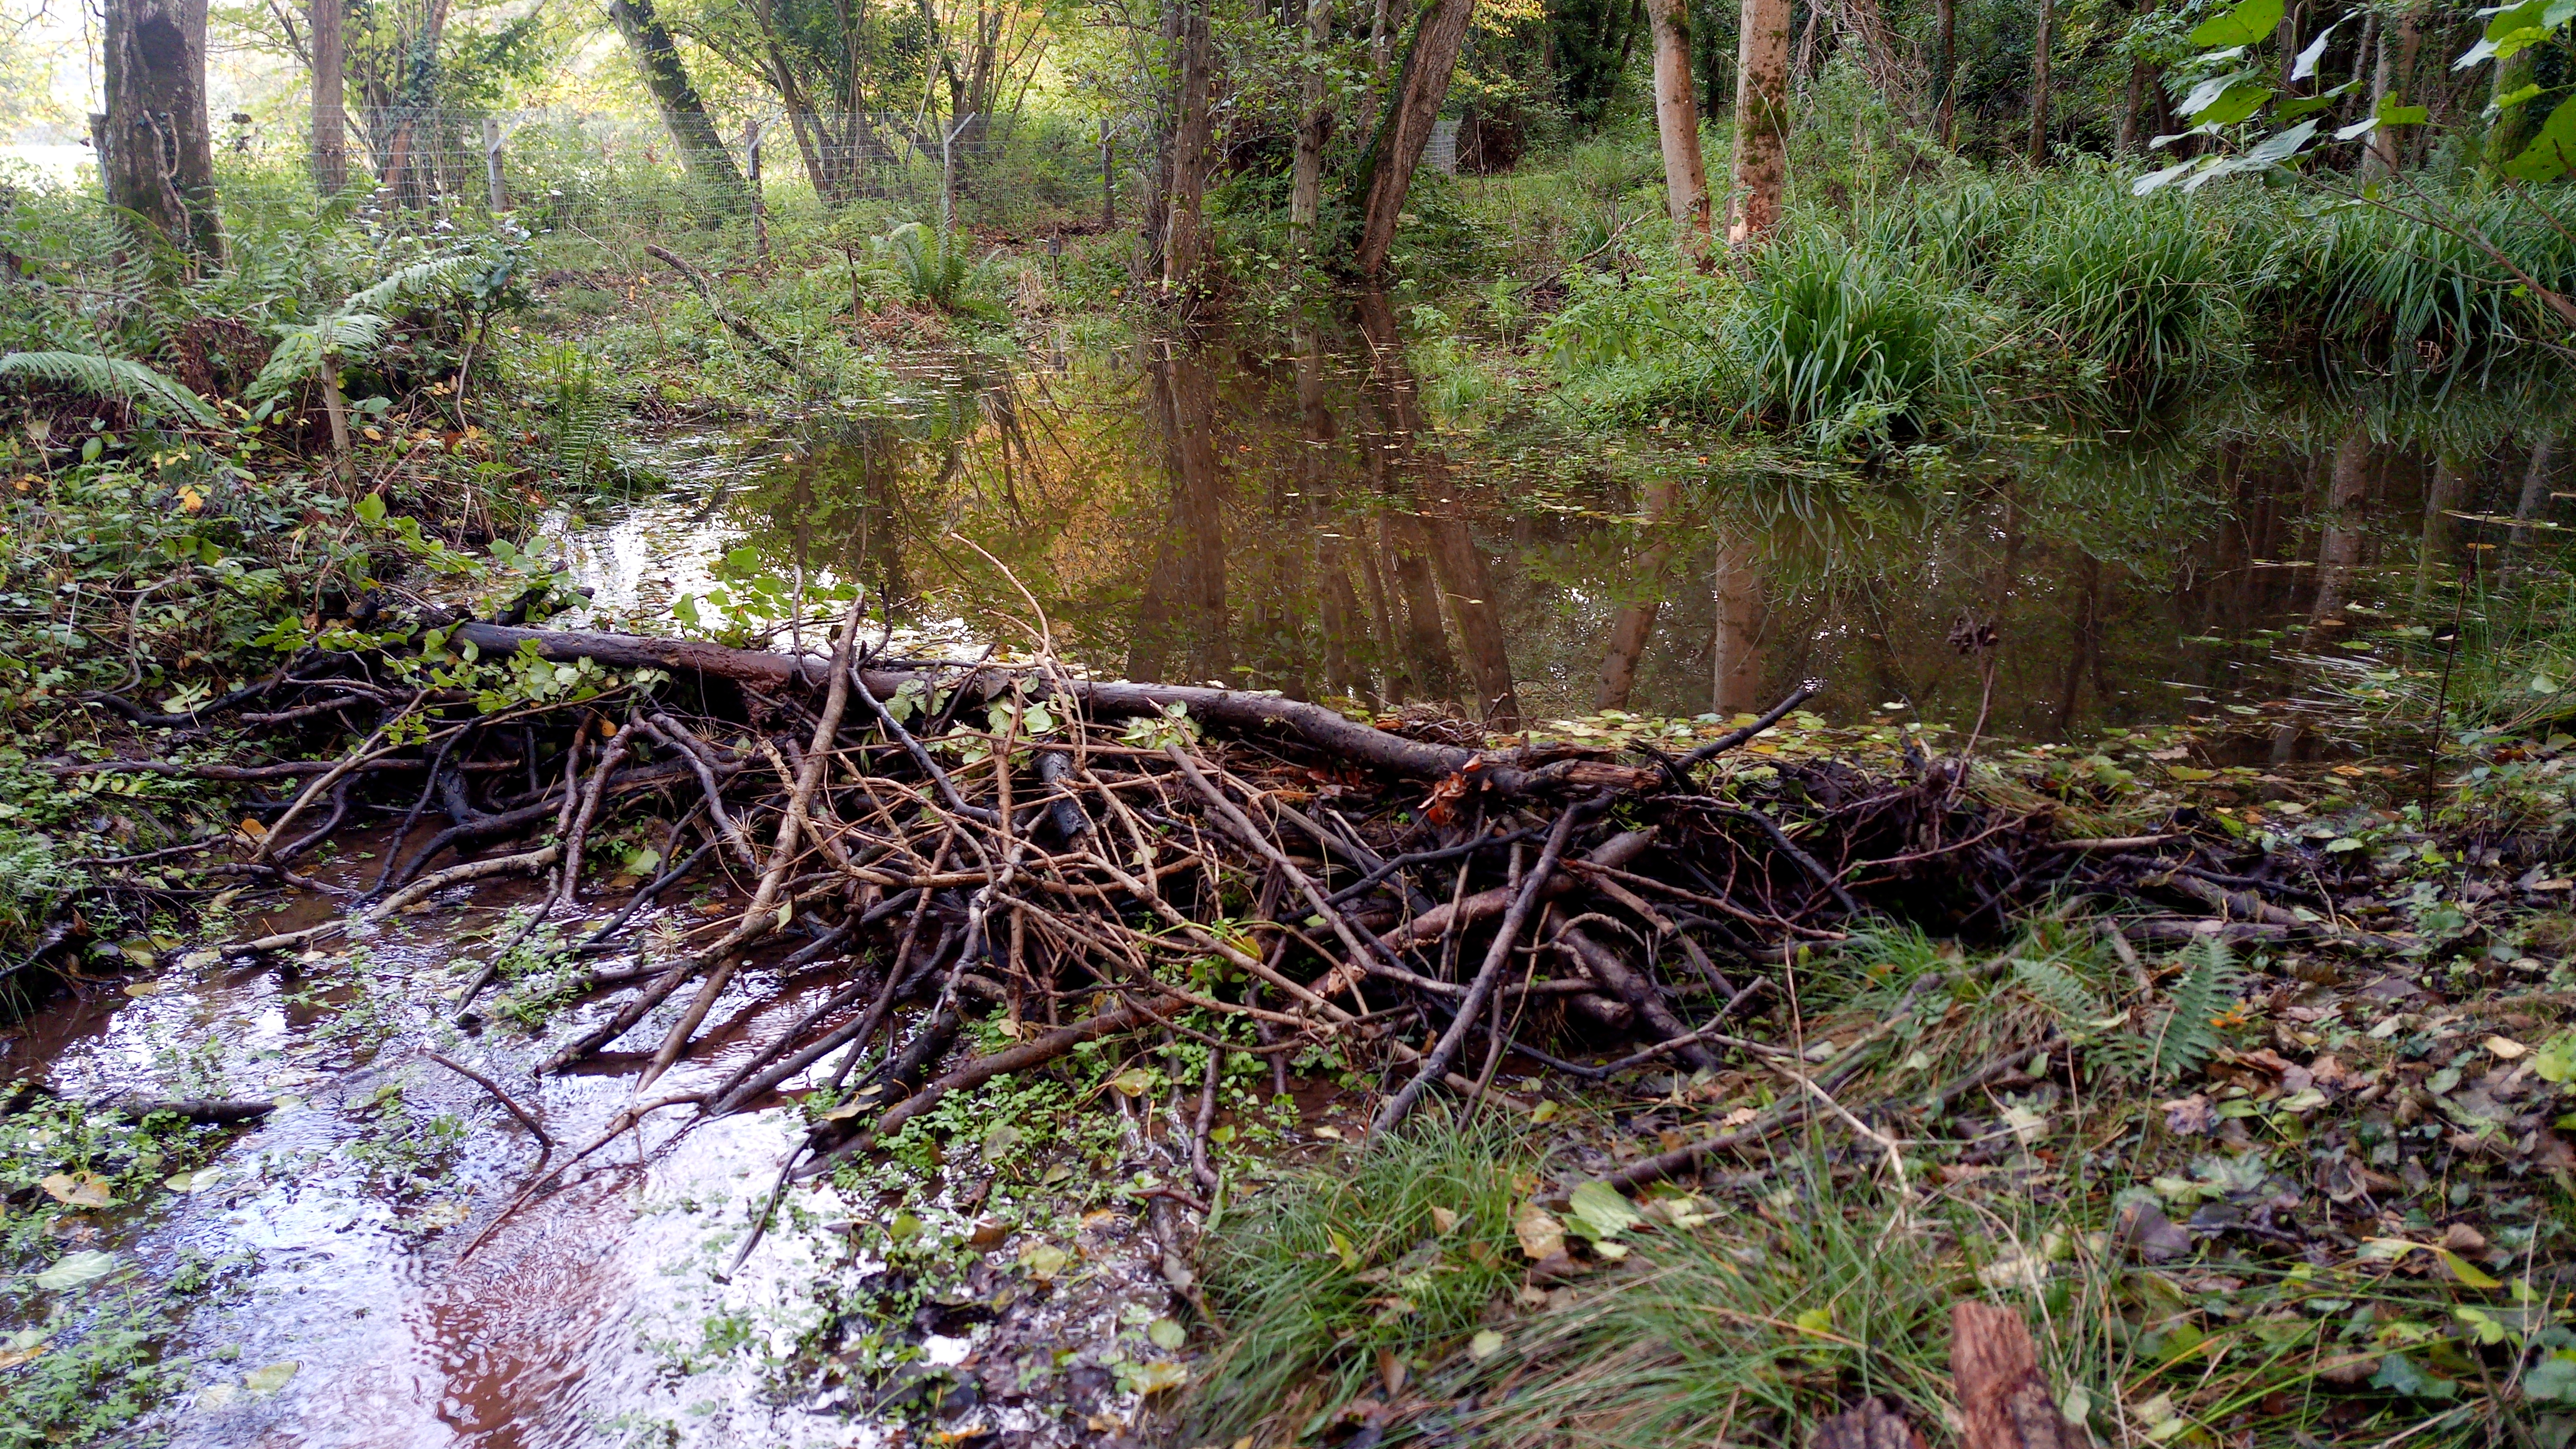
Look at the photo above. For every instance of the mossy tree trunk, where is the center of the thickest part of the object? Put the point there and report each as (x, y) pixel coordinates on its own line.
(1387, 173)
(684, 111)
(159, 163)
(1761, 119)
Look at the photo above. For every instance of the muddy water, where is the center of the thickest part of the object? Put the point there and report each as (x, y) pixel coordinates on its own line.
(1334, 520)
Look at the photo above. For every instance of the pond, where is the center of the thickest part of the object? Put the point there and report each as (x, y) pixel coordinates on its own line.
(1311, 516)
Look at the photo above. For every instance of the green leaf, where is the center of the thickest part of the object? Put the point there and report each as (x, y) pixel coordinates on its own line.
(2306, 64)
(1600, 1213)
(371, 508)
(2517, 28)
(2206, 94)
(2235, 104)
(270, 1379)
(2467, 1272)
(2548, 155)
(2249, 22)
(1167, 1335)
(112, 377)
(76, 1269)
(2396, 115)
(2557, 1059)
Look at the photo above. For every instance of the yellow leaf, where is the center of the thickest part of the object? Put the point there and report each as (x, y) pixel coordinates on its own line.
(2467, 1272)
(1818, 1321)
(80, 1189)
(2506, 1047)
(190, 500)
(1443, 1219)
(1541, 1235)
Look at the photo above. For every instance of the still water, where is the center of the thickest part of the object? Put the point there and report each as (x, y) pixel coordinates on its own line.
(1318, 519)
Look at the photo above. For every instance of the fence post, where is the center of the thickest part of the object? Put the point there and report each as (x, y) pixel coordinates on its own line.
(759, 211)
(1108, 177)
(498, 194)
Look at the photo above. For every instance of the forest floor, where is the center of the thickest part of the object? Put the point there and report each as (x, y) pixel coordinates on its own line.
(1250, 1074)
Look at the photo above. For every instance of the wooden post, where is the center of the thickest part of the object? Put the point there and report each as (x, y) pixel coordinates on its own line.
(495, 190)
(759, 210)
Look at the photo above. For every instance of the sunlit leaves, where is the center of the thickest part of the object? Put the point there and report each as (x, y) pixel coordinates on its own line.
(2517, 28)
(2250, 21)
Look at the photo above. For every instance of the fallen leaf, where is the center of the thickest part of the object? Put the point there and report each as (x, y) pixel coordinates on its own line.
(270, 1379)
(80, 1189)
(1167, 1334)
(2467, 1272)
(1542, 1236)
(1443, 1219)
(1163, 1376)
(2506, 1047)
(2190, 1115)
(1600, 1213)
(1484, 1345)
(76, 1269)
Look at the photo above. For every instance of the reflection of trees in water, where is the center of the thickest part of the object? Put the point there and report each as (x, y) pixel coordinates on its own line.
(1291, 522)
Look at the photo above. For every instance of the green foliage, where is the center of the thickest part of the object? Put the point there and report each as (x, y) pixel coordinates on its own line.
(938, 269)
(1837, 344)
(2151, 1045)
(1321, 1275)
(112, 377)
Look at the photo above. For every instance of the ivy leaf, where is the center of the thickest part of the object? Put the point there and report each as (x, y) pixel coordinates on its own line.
(2249, 22)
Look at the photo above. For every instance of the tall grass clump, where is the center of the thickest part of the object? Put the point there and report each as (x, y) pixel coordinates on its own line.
(2143, 288)
(2414, 283)
(1844, 345)
(1328, 1277)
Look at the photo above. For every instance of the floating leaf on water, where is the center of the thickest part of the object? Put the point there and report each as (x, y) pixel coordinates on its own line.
(903, 1229)
(76, 1269)
(1133, 1082)
(80, 1189)
(270, 1379)
(1045, 1260)
(1001, 1139)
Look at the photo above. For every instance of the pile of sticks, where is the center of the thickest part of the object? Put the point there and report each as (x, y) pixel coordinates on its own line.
(1072, 853)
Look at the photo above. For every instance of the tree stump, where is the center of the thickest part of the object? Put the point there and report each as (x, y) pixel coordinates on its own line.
(2004, 1402)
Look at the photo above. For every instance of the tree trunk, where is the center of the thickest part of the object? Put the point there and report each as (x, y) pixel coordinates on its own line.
(693, 132)
(2512, 129)
(1761, 119)
(2131, 104)
(1193, 152)
(1677, 121)
(1387, 174)
(2387, 87)
(1314, 128)
(330, 72)
(1145, 264)
(2039, 58)
(1945, 27)
(159, 164)
(2004, 1399)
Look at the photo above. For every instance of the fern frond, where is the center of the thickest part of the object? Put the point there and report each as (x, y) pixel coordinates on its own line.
(408, 285)
(2189, 1035)
(301, 350)
(112, 377)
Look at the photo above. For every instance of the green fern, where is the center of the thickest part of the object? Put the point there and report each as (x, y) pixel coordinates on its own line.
(112, 377)
(409, 284)
(301, 350)
(2188, 1035)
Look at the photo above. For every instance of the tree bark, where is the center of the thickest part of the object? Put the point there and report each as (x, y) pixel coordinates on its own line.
(1677, 122)
(159, 163)
(684, 111)
(1945, 30)
(2387, 87)
(1761, 120)
(2131, 105)
(330, 86)
(1314, 128)
(2004, 1402)
(2512, 129)
(1387, 174)
(2039, 67)
(1193, 152)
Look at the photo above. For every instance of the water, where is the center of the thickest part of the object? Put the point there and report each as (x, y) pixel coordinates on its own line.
(1324, 522)
(1318, 520)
